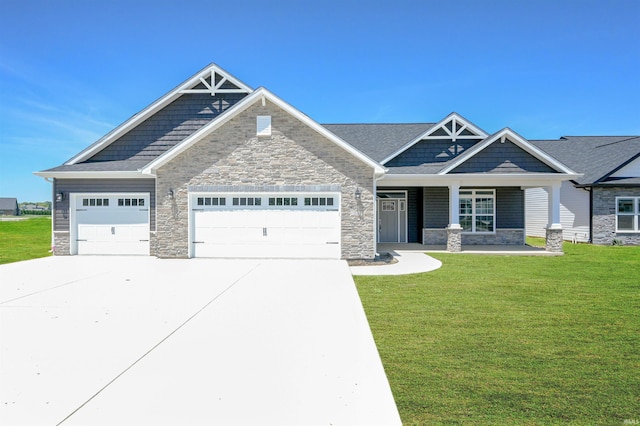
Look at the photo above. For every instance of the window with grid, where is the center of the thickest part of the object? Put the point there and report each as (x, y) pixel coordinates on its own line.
(628, 214)
(477, 210)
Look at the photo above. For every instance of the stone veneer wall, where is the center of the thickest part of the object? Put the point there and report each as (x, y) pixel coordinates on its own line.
(502, 236)
(293, 155)
(604, 215)
(61, 243)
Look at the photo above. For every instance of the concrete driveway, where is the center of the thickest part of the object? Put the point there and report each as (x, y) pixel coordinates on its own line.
(145, 341)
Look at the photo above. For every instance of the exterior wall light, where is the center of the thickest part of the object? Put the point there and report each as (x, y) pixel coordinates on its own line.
(358, 194)
(59, 196)
(170, 193)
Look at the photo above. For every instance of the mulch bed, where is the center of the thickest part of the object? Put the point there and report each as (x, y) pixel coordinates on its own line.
(381, 259)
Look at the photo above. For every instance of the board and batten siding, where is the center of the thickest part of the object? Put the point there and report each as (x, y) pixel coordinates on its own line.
(574, 212)
(70, 186)
(509, 208)
(435, 207)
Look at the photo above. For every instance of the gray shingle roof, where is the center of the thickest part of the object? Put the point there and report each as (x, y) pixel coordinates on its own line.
(378, 141)
(8, 203)
(595, 156)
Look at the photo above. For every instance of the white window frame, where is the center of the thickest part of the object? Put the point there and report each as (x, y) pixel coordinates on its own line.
(635, 215)
(474, 196)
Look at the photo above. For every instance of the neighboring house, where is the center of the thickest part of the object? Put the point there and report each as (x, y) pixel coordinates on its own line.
(9, 207)
(217, 169)
(603, 205)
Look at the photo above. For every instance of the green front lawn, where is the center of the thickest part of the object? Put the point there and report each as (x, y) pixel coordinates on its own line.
(513, 340)
(25, 239)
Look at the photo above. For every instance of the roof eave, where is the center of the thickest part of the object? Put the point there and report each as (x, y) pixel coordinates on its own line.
(92, 174)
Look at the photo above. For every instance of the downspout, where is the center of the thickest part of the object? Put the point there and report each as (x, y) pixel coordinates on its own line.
(53, 212)
(590, 214)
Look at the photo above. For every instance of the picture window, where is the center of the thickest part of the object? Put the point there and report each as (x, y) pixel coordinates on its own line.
(477, 210)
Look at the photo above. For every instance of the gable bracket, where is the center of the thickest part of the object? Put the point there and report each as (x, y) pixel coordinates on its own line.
(213, 88)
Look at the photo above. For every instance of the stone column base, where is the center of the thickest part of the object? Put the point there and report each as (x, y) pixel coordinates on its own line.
(454, 239)
(554, 240)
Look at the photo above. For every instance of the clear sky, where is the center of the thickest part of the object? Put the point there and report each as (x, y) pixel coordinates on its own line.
(72, 70)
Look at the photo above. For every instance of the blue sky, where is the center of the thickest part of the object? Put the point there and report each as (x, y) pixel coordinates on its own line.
(72, 70)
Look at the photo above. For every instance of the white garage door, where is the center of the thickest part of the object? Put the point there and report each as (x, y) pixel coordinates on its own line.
(112, 224)
(266, 225)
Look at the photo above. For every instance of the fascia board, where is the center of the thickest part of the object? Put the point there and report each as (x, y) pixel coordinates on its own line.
(245, 103)
(431, 129)
(477, 179)
(153, 108)
(519, 141)
(92, 175)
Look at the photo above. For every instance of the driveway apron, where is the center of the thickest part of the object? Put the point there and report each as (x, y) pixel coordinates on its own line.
(137, 340)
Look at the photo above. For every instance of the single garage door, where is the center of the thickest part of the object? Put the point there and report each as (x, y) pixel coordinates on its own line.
(112, 224)
(266, 225)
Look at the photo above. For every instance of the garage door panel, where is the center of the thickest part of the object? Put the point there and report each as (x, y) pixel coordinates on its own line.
(112, 229)
(267, 231)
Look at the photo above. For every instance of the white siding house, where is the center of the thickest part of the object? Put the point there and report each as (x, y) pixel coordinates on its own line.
(574, 212)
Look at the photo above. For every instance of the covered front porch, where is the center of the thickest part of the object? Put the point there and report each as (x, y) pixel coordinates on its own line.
(479, 213)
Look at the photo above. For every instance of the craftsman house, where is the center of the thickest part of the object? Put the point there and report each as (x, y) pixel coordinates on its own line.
(215, 168)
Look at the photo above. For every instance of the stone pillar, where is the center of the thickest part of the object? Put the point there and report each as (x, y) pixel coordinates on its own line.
(554, 240)
(554, 227)
(454, 238)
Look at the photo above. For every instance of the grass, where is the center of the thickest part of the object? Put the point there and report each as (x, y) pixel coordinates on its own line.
(513, 340)
(25, 239)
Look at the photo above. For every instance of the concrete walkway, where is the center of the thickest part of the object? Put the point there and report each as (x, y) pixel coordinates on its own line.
(410, 261)
(145, 341)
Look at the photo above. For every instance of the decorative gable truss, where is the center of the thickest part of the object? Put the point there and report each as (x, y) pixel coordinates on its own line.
(212, 79)
(216, 81)
(453, 127)
(505, 152)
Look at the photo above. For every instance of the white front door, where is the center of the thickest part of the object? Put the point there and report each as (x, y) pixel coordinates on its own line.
(110, 224)
(266, 225)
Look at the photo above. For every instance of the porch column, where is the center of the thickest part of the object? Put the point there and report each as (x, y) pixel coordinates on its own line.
(454, 230)
(554, 227)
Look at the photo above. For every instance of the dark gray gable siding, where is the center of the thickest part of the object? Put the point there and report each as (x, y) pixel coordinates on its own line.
(167, 127)
(509, 208)
(432, 151)
(436, 207)
(504, 157)
(67, 186)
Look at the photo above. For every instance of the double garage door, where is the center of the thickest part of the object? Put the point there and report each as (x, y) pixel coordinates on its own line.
(116, 224)
(271, 225)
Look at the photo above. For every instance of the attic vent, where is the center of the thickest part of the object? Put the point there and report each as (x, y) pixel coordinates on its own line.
(263, 125)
